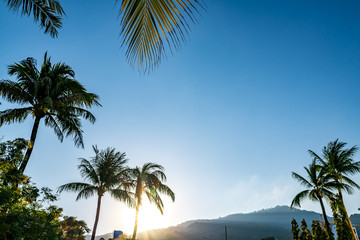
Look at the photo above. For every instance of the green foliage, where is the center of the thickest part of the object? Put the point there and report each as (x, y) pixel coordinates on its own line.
(319, 184)
(305, 233)
(318, 233)
(106, 172)
(147, 26)
(149, 180)
(22, 211)
(26, 212)
(51, 93)
(15, 187)
(339, 164)
(343, 230)
(330, 172)
(295, 230)
(73, 229)
(47, 12)
(12, 152)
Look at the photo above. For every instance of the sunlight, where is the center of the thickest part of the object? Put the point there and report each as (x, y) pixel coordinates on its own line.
(149, 217)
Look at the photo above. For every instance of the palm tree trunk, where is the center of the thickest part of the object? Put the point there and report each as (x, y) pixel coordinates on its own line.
(347, 216)
(136, 220)
(327, 224)
(96, 217)
(31, 144)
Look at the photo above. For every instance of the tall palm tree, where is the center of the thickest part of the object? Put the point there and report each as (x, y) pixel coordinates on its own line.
(149, 180)
(52, 94)
(106, 172)
(47, 12)
(339, 163)
(147, 26)
(318, 186)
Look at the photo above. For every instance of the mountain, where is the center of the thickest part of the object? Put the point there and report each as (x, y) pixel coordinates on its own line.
(280, 215)
(273, 222)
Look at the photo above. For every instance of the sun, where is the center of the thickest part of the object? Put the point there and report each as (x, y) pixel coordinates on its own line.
(149, 217)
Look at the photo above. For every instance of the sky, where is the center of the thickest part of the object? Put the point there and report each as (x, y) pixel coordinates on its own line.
(229, 116)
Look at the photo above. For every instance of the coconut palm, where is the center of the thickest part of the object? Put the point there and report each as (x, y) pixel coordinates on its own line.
(52, 94)
(47, 12)
(318, 186)
(149, 180)
(147, 26)
(339, 163)
(106, 172)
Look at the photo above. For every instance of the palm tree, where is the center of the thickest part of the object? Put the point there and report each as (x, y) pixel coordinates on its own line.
(52, 94)
(106, 172)
(146, 27)
(47, 12)
(149, 180)
(339, 163)
(318, 185)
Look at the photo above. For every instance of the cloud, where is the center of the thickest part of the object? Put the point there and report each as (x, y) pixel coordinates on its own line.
(255, 194)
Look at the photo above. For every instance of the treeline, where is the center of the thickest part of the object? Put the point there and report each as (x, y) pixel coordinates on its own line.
(27, 212)
(327, 178)
(317, 231)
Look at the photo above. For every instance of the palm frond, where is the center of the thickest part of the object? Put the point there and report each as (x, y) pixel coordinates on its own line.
(314, 195)
(74, 187)
(47, 12)
(315, 156)
(148, 179)
(14, 115)
(350, 167)
(25, 70)
(160, 174)
(302, 180)
(14, 93)
(51, 122)
(87, 192)
(298, 198)
(147, 24)
(327, 193)
(156, 199)
(79, 100)
(347, 188)
(71, 126)
(88, 172)
(62, 69)
(77, 111)
(350, 182)
(164, 189)
(123, 196)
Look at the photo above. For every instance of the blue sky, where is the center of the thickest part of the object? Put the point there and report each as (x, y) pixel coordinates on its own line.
(256, 85)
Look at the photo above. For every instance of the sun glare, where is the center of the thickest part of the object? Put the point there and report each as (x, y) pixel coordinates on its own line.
(149, 217)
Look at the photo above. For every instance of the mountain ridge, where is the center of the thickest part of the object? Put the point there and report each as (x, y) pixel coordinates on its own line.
(270, 222)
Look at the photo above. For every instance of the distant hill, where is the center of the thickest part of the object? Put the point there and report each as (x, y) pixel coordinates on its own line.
(273, 222)
(280, 215)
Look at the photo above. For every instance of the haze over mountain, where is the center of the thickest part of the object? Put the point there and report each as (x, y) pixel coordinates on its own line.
(273, 222)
